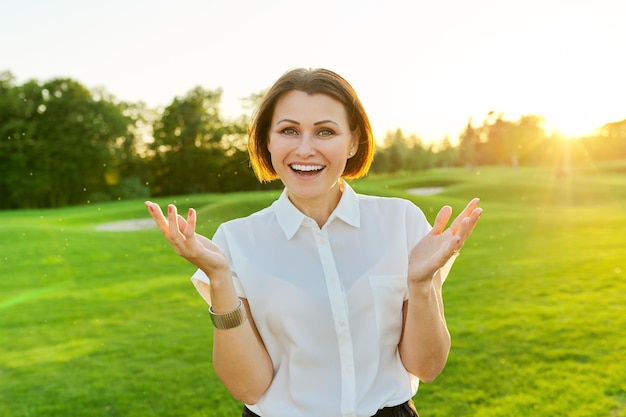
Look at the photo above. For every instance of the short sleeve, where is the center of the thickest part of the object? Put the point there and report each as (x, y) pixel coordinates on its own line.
(203, 283)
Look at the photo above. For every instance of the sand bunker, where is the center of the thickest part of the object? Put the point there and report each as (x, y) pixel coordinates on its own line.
(127, 225)
(425, 190)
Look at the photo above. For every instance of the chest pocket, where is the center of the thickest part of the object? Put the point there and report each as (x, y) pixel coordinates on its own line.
(388, 292)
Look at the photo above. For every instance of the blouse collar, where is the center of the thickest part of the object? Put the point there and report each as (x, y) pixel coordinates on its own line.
(290, 218)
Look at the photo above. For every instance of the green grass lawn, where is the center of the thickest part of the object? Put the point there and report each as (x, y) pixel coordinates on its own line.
(107, 323)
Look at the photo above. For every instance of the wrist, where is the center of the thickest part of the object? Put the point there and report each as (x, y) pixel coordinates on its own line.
(422, 289)
(219, 276)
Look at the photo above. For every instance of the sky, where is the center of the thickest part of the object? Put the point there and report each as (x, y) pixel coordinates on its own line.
(425, 67)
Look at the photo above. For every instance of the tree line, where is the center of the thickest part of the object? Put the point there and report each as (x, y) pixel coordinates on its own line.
(63, 144)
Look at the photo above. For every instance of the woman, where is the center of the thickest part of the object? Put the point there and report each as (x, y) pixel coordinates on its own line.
(327, 303)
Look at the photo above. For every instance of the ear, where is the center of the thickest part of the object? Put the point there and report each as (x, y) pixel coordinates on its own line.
(354, 143)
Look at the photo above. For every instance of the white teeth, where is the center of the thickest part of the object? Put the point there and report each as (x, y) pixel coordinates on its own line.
(307, 167)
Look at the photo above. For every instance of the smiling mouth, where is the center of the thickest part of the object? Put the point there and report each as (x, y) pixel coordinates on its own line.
(306, 169)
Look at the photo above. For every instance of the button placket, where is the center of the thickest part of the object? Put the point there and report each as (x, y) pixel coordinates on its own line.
(339, 307)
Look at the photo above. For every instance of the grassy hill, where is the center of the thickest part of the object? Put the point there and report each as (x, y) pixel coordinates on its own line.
(96, 323)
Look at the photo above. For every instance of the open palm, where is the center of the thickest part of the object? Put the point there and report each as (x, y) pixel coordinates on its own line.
(181, 234)
(435, 249)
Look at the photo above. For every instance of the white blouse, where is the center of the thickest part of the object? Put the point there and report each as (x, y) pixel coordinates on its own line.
(327, 301)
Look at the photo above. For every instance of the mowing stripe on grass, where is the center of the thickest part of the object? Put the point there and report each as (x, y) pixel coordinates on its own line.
(29, 295)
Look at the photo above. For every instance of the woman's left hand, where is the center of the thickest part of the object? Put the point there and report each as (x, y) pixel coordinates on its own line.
(435, 249)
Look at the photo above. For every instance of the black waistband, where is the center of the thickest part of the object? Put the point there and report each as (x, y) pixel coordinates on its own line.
(406, 409)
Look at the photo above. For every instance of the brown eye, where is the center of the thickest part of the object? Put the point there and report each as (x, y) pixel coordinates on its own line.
(326, 132)
(289, 131)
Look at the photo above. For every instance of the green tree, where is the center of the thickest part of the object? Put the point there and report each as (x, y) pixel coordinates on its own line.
(469, 143)
(185, 147)
(496, 133)
(57, 142)
(195, 150)
(127, 174)
(609, 143)
(511, 143)
(395, 148)
(407, 153)
(416, 156)
(13, 131)
(528, 141)
(447, 154)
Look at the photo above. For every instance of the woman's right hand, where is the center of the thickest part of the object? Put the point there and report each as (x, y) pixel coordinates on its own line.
(195, 248)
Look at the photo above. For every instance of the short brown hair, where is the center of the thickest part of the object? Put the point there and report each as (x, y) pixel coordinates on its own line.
(310, 81)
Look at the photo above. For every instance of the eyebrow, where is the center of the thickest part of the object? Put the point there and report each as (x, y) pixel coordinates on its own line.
(321, 122)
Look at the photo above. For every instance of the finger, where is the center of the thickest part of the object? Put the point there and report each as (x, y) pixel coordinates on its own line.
(182, 223)
(172, 217)
(157, 215)
(469, 223)
(467, 211)
(442, 219)
(188, 226)
(473, 220)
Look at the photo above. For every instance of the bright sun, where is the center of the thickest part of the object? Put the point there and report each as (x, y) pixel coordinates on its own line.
(571, 127)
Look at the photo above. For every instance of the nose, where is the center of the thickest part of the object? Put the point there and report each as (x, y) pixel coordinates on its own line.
(306, 146)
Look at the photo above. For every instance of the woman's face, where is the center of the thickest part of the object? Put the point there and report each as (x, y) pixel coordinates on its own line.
(310, 142)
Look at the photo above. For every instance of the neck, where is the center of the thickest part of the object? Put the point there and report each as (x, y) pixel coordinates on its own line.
(319, 209)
